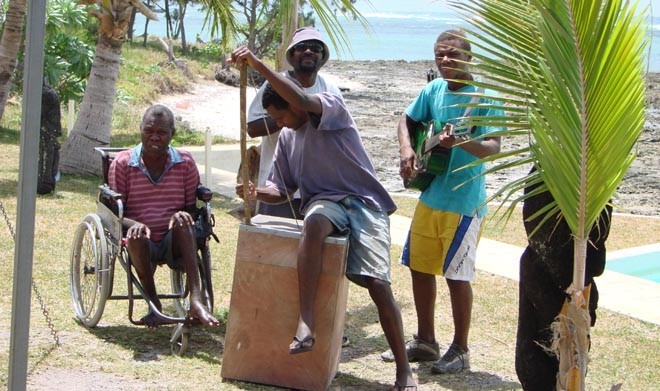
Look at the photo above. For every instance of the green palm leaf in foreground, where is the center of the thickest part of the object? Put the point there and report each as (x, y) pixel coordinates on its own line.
(572, 73)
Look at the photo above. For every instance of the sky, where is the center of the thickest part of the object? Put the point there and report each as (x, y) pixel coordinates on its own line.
(419, 5)
(402, 6)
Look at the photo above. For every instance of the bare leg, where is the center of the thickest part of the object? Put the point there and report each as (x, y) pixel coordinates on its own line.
(185, 247)
(390, 319)
(140, 255)
(424, 293)
(460, 293)
(315, 229)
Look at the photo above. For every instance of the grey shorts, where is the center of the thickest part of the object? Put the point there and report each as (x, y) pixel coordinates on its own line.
(161, 253)
(368, 235)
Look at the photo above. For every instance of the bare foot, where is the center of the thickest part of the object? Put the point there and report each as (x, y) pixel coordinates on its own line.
(151, 320)
(407, 387)
(404, 381)
(198, 311)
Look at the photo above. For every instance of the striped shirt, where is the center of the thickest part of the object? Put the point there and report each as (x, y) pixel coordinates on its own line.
(153, 202)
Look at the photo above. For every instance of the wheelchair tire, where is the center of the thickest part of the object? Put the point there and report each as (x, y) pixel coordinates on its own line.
(204, 262)
(179, 286)
(89, 271)
(180, 339)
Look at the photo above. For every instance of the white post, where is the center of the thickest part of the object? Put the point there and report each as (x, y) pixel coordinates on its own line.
(207, 159)
(70, 115)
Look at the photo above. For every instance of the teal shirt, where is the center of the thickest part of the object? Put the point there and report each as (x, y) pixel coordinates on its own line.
(437, 102)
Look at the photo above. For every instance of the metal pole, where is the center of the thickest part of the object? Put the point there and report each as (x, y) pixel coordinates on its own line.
(207, 158)
(71, 115)
(27, 190)
(245, 176)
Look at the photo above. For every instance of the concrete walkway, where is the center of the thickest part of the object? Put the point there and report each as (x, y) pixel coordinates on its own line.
(631, 296)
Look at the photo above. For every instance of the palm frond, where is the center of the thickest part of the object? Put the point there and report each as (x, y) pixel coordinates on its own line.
(571, 72)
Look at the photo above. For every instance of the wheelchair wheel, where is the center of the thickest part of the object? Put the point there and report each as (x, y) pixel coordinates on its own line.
(180, 287)
(179, 339)
(204, 262)
(89, 271)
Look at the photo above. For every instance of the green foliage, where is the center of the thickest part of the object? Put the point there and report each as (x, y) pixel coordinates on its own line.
(207, 52)
(571, 75)
(68, 53)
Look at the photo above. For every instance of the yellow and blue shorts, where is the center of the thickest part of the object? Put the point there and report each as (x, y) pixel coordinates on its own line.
(442, 243)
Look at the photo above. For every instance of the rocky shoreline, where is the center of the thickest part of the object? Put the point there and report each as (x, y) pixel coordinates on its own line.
(379, 91)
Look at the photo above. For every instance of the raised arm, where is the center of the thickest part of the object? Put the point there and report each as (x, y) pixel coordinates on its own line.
(262, 127)
(285, 87)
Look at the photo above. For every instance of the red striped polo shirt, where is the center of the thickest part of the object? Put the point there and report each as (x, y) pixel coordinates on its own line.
(154, 201)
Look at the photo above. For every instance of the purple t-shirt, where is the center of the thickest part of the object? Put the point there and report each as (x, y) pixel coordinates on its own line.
(326, 160)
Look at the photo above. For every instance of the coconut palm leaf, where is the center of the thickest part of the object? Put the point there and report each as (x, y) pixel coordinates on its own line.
(576, 68)
(572, 72)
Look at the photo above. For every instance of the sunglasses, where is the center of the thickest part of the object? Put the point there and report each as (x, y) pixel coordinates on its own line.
(314, 47)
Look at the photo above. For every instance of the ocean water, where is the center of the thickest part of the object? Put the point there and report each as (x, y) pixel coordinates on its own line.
(392, 35)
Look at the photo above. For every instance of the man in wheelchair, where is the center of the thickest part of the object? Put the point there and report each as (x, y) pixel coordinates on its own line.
(158, 184)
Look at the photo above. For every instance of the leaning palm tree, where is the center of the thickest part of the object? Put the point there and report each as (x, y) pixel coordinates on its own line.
(93, 124)
(12, 36)
(570, 74)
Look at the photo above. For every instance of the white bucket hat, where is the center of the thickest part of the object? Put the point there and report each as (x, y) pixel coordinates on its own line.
(307, 34)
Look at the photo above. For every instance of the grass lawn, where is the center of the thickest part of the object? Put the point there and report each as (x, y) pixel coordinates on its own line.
(122, 356)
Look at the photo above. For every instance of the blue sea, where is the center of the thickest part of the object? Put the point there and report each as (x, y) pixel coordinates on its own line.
(392, 36)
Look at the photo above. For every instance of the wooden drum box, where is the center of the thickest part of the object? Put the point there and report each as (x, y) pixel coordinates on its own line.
(263, 311)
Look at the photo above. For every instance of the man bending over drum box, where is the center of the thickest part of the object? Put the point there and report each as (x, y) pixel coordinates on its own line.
(320, 153)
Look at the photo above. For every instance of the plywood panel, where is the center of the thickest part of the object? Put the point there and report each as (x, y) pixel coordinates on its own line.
(263, 310)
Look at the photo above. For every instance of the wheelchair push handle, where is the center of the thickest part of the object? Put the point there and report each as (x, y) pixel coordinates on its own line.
(108, 193)
(204, 193)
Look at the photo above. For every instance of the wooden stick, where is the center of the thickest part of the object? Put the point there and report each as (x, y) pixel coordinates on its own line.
(245, 169)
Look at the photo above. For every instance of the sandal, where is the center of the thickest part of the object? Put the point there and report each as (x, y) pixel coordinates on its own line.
(301, 345)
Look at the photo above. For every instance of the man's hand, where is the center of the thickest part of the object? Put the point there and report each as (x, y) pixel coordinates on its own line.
(252, 191)
(242, 55)
(138, 230)
(407, 162)
(180, 218)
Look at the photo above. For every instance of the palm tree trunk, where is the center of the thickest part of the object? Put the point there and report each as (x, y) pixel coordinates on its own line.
(94, 122)
(182, 15)
(289, 26)
(573, 326)
(9, 47)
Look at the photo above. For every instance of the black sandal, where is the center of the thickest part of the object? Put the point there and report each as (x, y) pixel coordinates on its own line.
(301, 345)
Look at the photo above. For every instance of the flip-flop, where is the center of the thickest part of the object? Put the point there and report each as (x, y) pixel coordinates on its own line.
(302, 345)
(399, 387)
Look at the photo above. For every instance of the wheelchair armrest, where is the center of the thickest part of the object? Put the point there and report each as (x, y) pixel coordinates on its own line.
(204, 194)
(109, 194)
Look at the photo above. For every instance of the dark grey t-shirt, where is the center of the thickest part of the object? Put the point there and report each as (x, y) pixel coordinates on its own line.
(326, 160)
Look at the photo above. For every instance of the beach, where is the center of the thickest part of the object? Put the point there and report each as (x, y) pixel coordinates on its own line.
(377, 92)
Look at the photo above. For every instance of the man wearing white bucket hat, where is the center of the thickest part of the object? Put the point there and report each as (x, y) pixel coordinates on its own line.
(307, 53)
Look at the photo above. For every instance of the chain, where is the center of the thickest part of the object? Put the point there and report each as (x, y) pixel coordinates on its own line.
(44, 309)
(8, 220)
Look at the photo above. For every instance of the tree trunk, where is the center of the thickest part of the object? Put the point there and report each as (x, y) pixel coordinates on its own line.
(287, 34)
(182, 14)
(9, 47)
(93, 125)
(131, 25)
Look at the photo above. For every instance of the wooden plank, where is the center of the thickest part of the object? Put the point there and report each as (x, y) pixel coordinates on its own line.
(263, 310)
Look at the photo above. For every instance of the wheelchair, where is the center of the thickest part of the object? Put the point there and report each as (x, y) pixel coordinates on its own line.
(98, 243)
